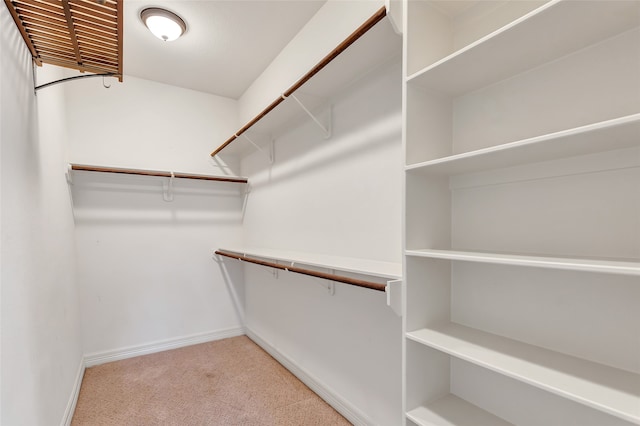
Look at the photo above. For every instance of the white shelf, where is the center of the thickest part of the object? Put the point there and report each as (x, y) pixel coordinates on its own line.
(375, 268)
(572, 264)
(536, 38)
(374, 48)
(613, 391)
(619, 133)
(453, 411)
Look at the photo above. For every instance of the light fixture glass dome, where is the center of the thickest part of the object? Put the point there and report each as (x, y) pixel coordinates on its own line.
(163, 24)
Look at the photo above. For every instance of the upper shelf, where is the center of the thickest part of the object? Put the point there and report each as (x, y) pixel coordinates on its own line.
(619, 133)
(370, 45)
(536, 38)
(346, 264)
(179, 175)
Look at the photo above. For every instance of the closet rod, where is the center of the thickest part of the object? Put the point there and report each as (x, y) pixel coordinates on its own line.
(332, 277)
(368, 24)
(82, 167)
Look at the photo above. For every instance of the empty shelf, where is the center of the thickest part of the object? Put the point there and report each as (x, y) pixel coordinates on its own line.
(619, 133)
(573, 264)
(369, 46)
(536, 38)
(453, 411)
(604, 388)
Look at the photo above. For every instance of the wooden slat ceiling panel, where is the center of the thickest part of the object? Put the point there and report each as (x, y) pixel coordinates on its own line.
(81, 34)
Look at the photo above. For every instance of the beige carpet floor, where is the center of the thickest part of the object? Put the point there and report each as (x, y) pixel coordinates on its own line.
(226, 382)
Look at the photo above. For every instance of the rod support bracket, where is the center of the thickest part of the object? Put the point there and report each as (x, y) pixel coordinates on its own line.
(167, 189)
(69, 174)
(393, 290)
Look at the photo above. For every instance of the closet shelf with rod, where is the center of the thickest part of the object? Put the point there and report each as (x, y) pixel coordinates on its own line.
(370, 45)
(289, 261)
(169, 174)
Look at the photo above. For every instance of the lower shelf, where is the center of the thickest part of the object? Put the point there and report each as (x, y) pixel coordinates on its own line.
(604, 388)
(453, 411)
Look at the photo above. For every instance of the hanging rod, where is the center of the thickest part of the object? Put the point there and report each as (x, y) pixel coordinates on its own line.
(63, 80)
(368, 24)
(338, 278)
(82, 167)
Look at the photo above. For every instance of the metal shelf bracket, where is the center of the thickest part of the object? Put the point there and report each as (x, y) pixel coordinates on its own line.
(326, 129)
(269, 154)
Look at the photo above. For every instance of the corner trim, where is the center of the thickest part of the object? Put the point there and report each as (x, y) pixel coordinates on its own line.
(73, 398)
(98, 358)
(330, 396)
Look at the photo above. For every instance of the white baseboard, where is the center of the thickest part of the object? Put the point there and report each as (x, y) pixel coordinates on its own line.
(97, 358)
(73, 398)
(340, 404)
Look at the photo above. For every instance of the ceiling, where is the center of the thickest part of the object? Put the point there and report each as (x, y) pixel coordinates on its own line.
(226, 47)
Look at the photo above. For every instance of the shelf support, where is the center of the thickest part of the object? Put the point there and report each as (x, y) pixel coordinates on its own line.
(394, 296)
(167, 189)
(325, 129)
(269, 154)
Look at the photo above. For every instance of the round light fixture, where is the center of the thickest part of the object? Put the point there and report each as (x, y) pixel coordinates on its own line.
(163, 24)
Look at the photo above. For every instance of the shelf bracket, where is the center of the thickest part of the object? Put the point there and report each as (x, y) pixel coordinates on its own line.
(331, 285)
(394, 296)
(269, 154)
(167, 189)
(325, 129)
(69, 174)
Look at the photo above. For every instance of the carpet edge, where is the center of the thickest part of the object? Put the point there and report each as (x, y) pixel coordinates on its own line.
(103, 357)
(335, 400)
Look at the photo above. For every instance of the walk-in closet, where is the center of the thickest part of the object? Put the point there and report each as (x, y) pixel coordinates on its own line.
(368, 212)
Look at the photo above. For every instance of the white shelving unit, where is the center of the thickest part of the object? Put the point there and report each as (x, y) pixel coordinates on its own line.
(522, 207)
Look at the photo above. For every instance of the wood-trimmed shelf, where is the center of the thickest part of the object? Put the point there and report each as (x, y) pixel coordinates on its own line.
(607, 389)
(370, 45)
(453, 411)
(144, 172)
(386, 270)
(618, 133)
(544, 36)
(566, 263)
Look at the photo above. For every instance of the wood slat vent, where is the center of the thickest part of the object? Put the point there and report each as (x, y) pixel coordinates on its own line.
(85, 35)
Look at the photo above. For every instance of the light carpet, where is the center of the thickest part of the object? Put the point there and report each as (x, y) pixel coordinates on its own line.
(225, 382)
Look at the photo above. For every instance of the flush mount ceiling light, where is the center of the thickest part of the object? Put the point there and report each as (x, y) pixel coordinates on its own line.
(163, 24)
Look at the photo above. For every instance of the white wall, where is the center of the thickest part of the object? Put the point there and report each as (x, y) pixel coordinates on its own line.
(333, 23)
(145, 266)
(143, 124)
(339, 196)
(41, 350)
